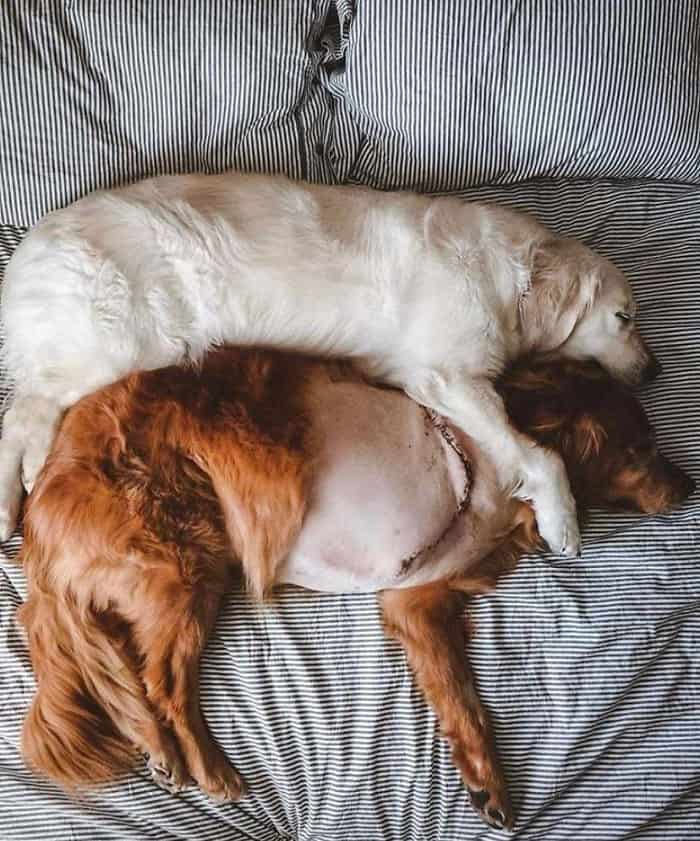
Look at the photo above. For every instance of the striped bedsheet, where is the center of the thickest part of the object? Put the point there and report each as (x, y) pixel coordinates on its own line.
(589, 667)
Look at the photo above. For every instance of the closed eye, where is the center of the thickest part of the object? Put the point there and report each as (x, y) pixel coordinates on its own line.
(623, 316)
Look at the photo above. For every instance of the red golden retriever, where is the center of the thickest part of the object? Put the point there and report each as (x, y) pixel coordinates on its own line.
(163, 488)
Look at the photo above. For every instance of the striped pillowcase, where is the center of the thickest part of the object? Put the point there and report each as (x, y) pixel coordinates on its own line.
(94, 94)
(449, 94)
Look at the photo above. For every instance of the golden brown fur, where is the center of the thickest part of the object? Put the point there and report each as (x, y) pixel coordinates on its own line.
(163, 487)
(152, 490)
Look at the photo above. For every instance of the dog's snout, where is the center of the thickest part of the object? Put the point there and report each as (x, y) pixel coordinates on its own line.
(680, 484)
(650, 371)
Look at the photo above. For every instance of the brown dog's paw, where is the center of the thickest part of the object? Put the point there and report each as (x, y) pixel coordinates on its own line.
(492, 807)
(169, 775)
(224, 785)
(476, 759)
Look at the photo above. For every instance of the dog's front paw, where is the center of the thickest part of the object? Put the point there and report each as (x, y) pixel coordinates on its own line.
(34, 459)
(560, 532)
(546, 485)
(38, 418)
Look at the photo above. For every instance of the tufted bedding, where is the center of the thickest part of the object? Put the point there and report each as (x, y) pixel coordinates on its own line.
(589, 667)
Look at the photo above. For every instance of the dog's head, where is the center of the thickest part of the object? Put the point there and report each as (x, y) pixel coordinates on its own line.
(584, 307)
(601, 431)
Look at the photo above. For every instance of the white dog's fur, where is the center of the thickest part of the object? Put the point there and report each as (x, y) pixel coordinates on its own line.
(433, 295)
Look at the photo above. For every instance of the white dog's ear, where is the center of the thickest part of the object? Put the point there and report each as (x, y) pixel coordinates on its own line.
(564, 287)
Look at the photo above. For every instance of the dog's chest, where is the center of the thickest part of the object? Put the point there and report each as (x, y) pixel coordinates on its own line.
(391, 491)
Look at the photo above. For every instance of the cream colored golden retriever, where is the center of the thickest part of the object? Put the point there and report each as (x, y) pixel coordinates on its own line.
(431, 295)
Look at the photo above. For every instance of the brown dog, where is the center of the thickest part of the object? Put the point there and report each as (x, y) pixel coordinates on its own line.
(162, 487)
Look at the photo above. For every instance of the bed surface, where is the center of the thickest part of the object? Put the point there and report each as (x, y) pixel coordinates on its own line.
(589, 667)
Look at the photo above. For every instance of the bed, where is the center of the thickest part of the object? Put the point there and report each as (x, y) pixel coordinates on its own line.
(589, 667)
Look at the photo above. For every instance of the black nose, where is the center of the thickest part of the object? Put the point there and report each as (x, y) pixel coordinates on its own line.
(684, 484)
(690, 486)
(650, 371)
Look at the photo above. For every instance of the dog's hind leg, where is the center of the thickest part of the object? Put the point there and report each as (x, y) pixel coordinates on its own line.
(12, 446)
(428, 623)
(90, 715)
(29, 427)
(28, 430)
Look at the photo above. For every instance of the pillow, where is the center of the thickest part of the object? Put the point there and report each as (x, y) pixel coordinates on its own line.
(444, 95)
(94, 93)
(432, 96)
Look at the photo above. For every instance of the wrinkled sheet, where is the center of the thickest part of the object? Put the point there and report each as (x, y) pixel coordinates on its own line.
(589, 667)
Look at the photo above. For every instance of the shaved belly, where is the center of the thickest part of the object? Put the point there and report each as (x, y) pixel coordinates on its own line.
(392, 500)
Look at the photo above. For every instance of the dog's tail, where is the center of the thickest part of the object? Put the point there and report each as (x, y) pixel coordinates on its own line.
(77, 730)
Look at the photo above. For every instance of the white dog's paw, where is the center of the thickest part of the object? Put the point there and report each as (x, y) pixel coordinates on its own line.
(560, 531)
(29, 428)
(34, 458)
(29, 473)
(547, 487)
(10, 498)
(9, 515)
(36, 452)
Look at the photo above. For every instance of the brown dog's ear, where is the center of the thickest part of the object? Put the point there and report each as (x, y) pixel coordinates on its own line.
(589, 435)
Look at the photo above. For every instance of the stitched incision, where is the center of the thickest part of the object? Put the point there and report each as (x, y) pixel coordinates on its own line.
(439, 423)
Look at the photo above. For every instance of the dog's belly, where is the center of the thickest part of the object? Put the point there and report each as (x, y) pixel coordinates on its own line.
(390, 502)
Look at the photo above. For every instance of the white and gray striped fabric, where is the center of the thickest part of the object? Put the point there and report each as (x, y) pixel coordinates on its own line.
(392, 93)
(455, 93)
(93, 94)
(589, 667)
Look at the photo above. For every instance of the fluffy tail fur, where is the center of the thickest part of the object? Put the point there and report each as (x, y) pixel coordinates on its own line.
(85, 685)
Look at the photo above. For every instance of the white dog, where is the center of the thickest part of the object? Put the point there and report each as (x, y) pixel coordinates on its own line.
(433, 295)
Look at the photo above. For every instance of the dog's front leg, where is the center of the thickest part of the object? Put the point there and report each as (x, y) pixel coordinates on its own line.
(524, 469)
(428, 623)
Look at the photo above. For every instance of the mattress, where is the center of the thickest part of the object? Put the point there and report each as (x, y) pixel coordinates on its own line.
(589, 667)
